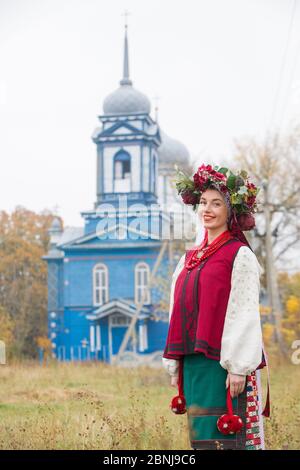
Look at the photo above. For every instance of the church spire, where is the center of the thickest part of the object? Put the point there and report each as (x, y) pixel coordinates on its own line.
(126, 80)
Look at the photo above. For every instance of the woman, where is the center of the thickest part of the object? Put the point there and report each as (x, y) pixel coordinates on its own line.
(214, 338)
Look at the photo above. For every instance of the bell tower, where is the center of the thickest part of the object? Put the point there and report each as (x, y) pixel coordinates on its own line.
(127, 143)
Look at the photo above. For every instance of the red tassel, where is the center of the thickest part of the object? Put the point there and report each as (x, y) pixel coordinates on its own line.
(229, 423)
(178, 403)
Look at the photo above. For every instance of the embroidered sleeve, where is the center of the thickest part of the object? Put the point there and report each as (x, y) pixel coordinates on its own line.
(171, 365)
(241, 346)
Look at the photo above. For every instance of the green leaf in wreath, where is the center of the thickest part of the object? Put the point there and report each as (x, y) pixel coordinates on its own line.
(223, 170)
(231, 182)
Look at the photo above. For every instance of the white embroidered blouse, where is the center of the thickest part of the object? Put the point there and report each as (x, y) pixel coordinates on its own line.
(241, 345)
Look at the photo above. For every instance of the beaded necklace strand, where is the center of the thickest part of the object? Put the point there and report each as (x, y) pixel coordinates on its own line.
(203, 252)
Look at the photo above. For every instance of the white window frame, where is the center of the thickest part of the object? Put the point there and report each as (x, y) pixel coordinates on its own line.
(141, 271)
(103, 289)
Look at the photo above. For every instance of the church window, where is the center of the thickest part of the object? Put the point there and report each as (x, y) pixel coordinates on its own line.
(122, 172)
(142, 276)
(100, 284)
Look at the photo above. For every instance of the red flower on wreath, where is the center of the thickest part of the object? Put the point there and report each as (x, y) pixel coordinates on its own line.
(205, 168)
(246, 221)
(251, 186)
(220, 176)
(206, 173)
(189, 197)
(250, 201)
(199, 181)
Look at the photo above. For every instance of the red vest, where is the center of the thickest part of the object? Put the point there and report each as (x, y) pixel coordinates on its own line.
(200, 304)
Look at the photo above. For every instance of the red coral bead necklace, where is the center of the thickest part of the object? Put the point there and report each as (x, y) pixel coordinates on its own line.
(202, 252)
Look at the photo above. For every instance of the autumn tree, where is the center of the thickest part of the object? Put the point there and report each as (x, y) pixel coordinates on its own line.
(23, 277)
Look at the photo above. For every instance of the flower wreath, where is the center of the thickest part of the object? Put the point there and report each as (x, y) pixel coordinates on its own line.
(237, 187)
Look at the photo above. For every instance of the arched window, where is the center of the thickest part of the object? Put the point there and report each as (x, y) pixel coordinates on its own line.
(100, 284)
(142, 276)
(122, 172)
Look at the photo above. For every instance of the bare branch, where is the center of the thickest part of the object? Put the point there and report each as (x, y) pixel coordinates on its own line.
(284, 250)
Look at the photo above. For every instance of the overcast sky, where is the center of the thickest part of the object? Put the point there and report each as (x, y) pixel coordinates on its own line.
(214, 64)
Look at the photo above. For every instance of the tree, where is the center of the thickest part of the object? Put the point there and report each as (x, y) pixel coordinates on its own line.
(6, 330)
(23, 276)
(275, 165)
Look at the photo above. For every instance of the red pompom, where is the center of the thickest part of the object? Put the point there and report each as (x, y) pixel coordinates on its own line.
(178, 405)
(229, 424)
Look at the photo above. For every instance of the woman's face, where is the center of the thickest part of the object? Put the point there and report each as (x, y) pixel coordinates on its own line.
(214, 207)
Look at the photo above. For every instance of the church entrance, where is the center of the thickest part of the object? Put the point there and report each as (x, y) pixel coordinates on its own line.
(117, 327)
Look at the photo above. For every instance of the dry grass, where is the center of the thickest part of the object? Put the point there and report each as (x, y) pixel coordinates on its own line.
(282, 429)
(98, 406)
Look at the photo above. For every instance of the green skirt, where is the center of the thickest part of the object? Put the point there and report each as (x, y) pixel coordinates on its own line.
(204, 385)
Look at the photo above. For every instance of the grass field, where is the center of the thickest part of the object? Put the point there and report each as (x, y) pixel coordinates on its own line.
(99, 406)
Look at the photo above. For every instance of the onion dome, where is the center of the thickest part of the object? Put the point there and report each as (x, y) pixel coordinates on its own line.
(172, 151)
(126, 99)
(55, 225)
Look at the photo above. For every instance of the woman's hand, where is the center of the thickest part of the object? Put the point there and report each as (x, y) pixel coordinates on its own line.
(174, 381)
(237, 384)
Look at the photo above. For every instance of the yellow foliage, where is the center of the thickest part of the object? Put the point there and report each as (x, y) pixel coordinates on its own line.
(290, 322)
(293, 304)
(44, 343)
(289, 335)
(6, 327)
(268, 330)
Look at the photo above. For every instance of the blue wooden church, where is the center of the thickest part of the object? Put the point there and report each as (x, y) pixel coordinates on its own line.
(99, 273)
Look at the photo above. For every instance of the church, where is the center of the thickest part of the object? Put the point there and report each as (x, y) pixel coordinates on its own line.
(99, 274)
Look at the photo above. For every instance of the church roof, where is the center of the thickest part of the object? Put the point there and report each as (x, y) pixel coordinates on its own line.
(125, 306)
(126, 100)
(56, 225)
(172, 151)
(69, 234)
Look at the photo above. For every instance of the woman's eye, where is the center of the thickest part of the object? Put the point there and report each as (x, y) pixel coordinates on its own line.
(216, 203)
